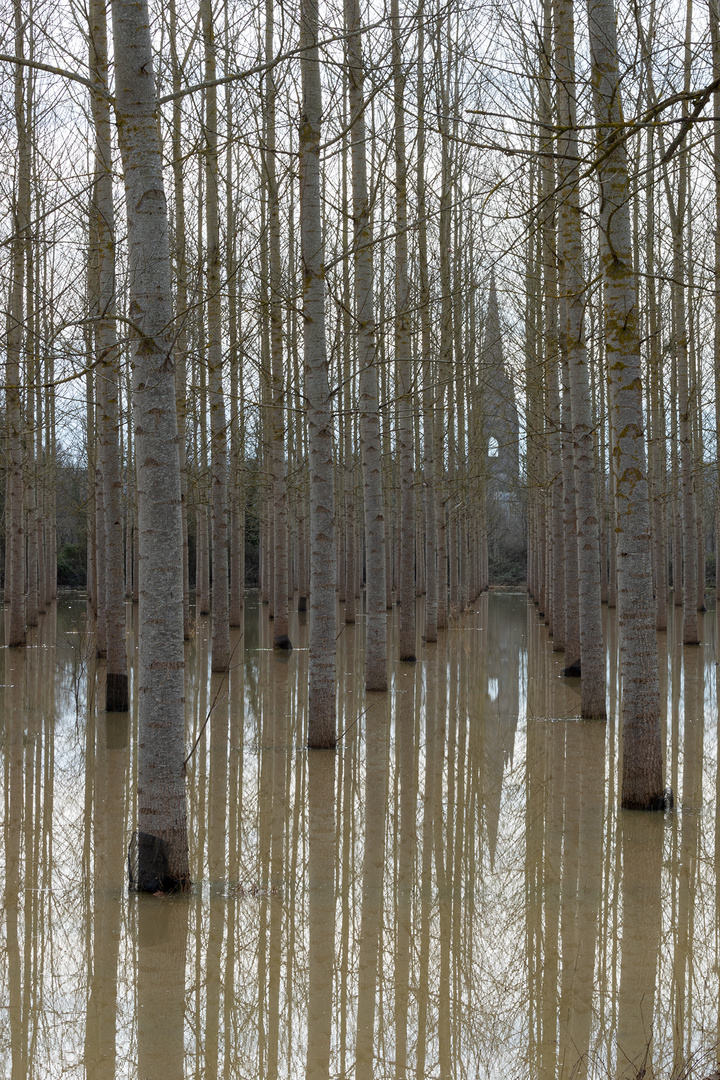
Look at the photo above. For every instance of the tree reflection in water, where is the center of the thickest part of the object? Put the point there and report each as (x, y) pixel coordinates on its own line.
(451, 893)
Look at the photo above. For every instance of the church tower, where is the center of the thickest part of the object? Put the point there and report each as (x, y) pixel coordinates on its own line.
(500, 414)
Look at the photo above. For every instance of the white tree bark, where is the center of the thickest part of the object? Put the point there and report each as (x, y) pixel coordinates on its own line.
(642, 786)
(162, 821)
(592, 656)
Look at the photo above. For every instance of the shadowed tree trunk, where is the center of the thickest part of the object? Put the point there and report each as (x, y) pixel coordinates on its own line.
(556, 555)
(715, 36)
(321, 707)
(218, 429)
(428, 391)
(657, 452)
(181, 303)
(684, 568)
(570, 562)
(371, 449)
(116, 695)
(13, 400)
(406, 597)
(281, 639)
(556, 535)
(236, 500)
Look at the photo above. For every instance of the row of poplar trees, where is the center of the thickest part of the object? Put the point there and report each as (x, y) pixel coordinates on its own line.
(294, 320)
(611, 533)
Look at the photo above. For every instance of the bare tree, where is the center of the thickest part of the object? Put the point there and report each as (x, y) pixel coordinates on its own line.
(162, 822)
(371, 449)
(642, 745)
(321, 708)
(113, 582)
(573, 302)
(218, 427)
(405, 396)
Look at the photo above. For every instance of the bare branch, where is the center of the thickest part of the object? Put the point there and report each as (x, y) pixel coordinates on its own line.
(36, 65)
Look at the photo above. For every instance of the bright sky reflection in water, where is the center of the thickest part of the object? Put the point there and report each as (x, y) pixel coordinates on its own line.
(494, 916)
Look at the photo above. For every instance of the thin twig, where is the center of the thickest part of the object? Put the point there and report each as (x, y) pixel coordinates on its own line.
(212, 707)
(355, 721)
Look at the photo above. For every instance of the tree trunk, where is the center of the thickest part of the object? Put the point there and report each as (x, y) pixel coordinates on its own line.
(218, 431)
(281, 639)
(13, 400)
(556, 559)
(181, 303)
(237, 426)
(657, 426)
(682, 400)
(428, 391)
(116, 694)
(321, 705)
(32, 614)
(715, 38)
(162, 842)
(570, 563)
(406, 597)
(347, 464)
(572, 286)
(642, 786)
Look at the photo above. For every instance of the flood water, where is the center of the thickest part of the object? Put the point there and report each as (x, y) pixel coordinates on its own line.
(452, 893)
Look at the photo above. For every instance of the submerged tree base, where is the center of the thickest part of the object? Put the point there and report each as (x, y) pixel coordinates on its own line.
(148, 866)
(282, 641)
(662, 801)
(117, 697)
(572, 671)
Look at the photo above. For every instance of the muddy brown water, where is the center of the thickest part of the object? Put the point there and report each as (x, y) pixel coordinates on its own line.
(452, 893)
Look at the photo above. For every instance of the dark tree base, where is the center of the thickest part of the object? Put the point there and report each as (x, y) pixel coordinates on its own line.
(148, 866)
(116, 693)
(302, 603)
(409, 659)
(662, 802)
(283, 642)
(572, 671)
